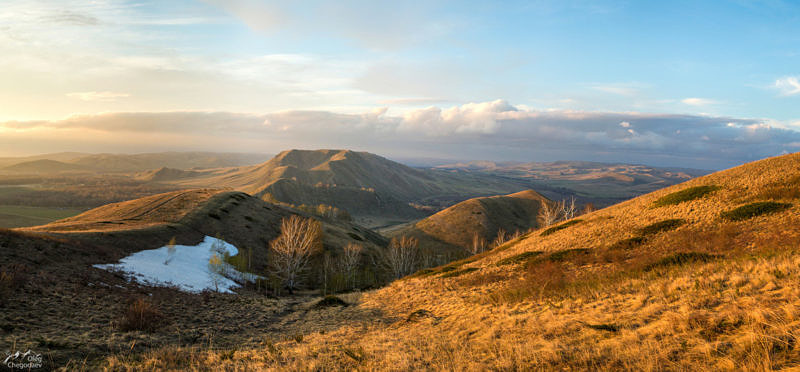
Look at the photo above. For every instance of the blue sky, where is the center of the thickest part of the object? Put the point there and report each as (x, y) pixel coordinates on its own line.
(737, 62)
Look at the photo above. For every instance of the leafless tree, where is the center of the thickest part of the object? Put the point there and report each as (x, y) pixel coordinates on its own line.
(549, 213)
(401, 256)
(501, 238)
(216, 270)
(291, 251)
(478, 243)
(568, 208)
(349, 261)
(170, 251)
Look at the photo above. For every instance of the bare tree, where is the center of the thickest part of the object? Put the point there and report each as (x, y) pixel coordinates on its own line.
(549, 213)
(588, 208)
(568, 208)
(216, 270)
(349, 261)
(500, 238)
(291, 251)
(401, 256)
(478, 243)
(170, 251)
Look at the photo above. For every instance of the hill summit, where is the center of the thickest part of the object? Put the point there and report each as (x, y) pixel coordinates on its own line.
(370, 187)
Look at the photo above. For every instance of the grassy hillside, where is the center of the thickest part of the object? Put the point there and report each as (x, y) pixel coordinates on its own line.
(44, 166)
(189, 215)
(374, 189)
(601, 183)
(455, 227)
(704, 275)
(127, 163)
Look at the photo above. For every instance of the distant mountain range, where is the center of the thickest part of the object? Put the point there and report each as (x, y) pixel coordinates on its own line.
(72, 162)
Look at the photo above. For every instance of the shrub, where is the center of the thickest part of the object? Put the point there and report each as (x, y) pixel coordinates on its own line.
(682, 258)
(661, 226)
(329, 301)
(567, 253)
(522, 257)
(628, 243)
(754, 209)
(452, 274)
(560, 227)
(141, 315)
(691, 193)
(604, 327)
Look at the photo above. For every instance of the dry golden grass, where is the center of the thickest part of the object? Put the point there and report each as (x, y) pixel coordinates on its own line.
(607, 307)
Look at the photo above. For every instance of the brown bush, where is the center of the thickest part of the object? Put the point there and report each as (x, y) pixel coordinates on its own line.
(141, 315)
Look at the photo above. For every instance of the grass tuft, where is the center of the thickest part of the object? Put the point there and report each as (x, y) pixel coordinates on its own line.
(330, 301)
(560, 227)
(661, 226)
(682, 258)
(604, 327)
(141, 315)
(567, 253)
(685, 195)
(755, 209)
(519, 258)
(453, 274)
(629, 243)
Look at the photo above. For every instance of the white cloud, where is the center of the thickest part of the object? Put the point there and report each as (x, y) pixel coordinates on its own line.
(484, 130)
(97, 96)
(788, 85)
(693, 101)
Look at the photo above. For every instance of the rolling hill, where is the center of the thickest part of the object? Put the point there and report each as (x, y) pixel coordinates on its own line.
(126, 163)
(373, 189)
(698, 276)
(44, 166)
(485, 216)
(188, 215)
(603, 184)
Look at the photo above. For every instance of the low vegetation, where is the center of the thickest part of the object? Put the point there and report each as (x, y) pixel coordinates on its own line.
(559, 227)
(329, 301)
(754, 209)
(685, 195)
(141, 315)
(661, 226)
(682, 258)
(519, 258)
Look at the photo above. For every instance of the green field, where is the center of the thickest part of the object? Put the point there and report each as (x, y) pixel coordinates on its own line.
(21, 216)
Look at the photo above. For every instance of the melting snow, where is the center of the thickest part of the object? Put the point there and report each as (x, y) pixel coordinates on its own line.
(187, 268)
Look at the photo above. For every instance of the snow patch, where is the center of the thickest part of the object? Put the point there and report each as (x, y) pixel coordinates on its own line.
(187, 267)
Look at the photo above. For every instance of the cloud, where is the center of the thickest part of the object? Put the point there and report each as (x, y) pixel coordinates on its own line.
(97, 96)
(698, 101)
(788, 85)
(69, 17)
(493, 130)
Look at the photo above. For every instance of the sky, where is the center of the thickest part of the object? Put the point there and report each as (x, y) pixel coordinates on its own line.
(703, 84)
